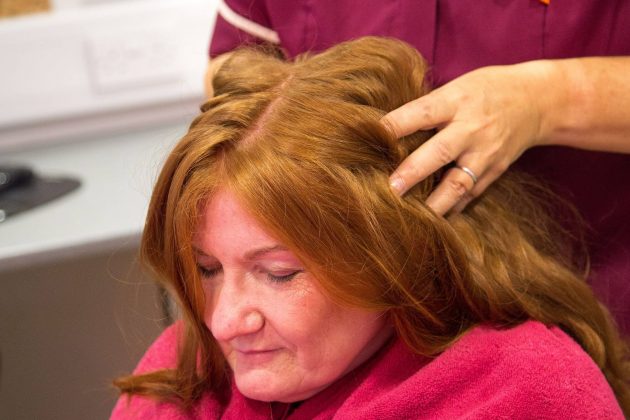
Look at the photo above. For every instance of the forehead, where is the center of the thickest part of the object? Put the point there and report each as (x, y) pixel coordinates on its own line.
(223, 206)
(225, 222)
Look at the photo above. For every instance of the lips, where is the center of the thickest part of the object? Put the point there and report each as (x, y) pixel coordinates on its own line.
(255, 356)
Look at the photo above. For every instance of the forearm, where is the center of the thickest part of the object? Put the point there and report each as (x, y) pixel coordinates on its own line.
(585, 103)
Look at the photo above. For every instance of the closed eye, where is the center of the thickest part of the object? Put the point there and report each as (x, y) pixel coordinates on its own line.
(208, 272)
(283, 278)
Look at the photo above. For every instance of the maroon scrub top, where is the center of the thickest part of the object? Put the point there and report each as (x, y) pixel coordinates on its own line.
(456, 36)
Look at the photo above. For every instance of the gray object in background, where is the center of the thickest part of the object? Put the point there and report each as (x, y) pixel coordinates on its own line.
(21, 189)
(67, 328)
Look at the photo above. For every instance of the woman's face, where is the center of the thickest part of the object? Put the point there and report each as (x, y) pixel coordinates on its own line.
(284, 340)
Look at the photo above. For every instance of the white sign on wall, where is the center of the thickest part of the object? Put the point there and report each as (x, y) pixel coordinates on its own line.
(92, 66)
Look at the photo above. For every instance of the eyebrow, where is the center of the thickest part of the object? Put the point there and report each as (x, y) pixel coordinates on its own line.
(253, 254)
(257, 253)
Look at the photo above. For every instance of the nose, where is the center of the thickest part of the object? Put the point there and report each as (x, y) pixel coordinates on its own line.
(233, 310)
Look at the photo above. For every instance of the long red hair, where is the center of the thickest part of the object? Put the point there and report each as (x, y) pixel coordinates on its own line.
(301, 145)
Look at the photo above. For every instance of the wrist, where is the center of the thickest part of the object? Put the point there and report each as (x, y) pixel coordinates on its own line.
(550, 95)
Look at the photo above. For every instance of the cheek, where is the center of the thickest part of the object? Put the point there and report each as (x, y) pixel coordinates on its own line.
(207, 306)
(300, 320)
(353, 337)
(209, 311)
(337, 338)
(207, 317)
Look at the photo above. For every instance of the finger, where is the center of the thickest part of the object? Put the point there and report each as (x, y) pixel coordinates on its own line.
(483, 184)
(453, 187)
(439, 150)
(423, 113)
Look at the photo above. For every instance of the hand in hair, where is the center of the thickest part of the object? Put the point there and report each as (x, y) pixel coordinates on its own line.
(487, 118)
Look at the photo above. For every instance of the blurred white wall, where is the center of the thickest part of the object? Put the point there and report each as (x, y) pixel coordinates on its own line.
(93, 66)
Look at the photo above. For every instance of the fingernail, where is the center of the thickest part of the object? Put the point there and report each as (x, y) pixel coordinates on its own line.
(397, 184)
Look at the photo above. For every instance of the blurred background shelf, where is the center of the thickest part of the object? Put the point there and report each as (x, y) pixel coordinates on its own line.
(108, 209)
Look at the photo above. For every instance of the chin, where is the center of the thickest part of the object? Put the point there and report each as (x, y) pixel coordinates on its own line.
(262, 391)
(263, 388)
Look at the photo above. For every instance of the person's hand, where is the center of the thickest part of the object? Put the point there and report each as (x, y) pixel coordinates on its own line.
(486, 119)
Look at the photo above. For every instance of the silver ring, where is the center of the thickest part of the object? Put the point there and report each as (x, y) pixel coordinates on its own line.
(468, 171)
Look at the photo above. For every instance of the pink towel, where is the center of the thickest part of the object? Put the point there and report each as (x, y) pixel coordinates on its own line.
(530, 371)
